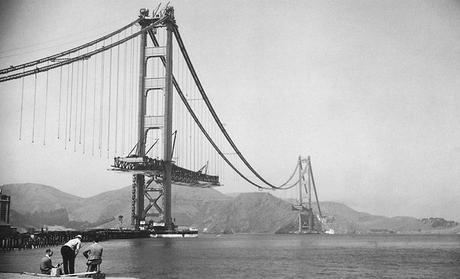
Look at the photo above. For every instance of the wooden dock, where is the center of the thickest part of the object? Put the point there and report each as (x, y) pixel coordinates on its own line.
(27, 275)
(52, 238)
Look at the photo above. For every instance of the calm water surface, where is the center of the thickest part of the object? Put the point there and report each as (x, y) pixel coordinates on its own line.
(268, 256)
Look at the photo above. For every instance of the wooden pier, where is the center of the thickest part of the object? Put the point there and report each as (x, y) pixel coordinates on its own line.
(52, 238)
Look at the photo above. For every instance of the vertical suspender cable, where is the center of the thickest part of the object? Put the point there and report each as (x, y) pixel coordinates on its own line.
(133, 94)
(46, 106)
(86, 104)
(314, 187)
(116, 96)
(205, 144)
(210, 153)
(187, 132)
(125, 77)
(220, 161)
(215, 153)
(77, 93)
(195, 157)
(159, 102)
(110, 93)
(198, 138)
(204, 141)
(135, 101)
(199, 160)
(60, 97)
(35, 102)
(130, 92)
(202, 149)
(80, 124)
(94, 103)
(189, 125)
(178, 124)
(179, 119)
(192, 130)
(71, 99)
(184, 124)
(101, 114)
(195, 134)
(22, 107)
(83, 64)
(67, 106)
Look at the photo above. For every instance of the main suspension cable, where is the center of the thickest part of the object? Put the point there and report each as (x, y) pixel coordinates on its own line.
(54, 56)
(80, 57)
(211, 109)
(197, 121)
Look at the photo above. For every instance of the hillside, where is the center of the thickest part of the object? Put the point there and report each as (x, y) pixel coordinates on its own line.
(35, 205)
(348, 220)
(248, 212)
(103, 206)
(38, 197)
(187, 204)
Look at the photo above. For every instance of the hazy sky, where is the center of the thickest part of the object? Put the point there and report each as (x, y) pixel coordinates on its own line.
(369, 89)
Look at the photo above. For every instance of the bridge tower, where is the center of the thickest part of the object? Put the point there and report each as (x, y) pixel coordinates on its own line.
(148, 85)
(305, 209)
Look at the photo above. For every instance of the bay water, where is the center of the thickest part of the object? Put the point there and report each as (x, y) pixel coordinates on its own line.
(267, 256)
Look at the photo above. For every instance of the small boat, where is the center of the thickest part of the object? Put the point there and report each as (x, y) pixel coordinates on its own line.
(30, 275)
(93, 274)
(159, 231)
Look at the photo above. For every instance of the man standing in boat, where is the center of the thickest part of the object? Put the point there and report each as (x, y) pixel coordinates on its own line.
(69, 251)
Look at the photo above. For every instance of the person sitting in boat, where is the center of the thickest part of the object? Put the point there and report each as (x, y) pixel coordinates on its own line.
(94, 256)
(45, 263)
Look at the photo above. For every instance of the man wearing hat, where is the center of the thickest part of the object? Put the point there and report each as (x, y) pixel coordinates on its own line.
(69, 251)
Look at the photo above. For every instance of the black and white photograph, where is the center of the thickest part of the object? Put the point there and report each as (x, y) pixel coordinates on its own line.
(229, 139)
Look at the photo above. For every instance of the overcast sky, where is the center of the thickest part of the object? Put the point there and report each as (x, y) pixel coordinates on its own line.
(369, 89)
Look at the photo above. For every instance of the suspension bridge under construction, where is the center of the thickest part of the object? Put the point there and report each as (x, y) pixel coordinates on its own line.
(134, 95)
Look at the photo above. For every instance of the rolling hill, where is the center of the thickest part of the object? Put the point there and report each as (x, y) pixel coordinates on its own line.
(37, 197)
(35, 205)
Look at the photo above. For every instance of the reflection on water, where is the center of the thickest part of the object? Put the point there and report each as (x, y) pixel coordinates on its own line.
(269, 256)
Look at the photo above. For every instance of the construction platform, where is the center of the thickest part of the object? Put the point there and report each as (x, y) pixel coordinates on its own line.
(155, 168)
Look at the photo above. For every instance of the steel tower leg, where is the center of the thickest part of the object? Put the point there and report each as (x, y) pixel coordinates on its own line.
(300, 194)
(310, 210)
(133, 202)
(167, 131)
(139, 178)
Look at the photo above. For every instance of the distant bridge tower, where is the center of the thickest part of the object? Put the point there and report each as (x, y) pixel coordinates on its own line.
(306, 181)
(148, 85)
